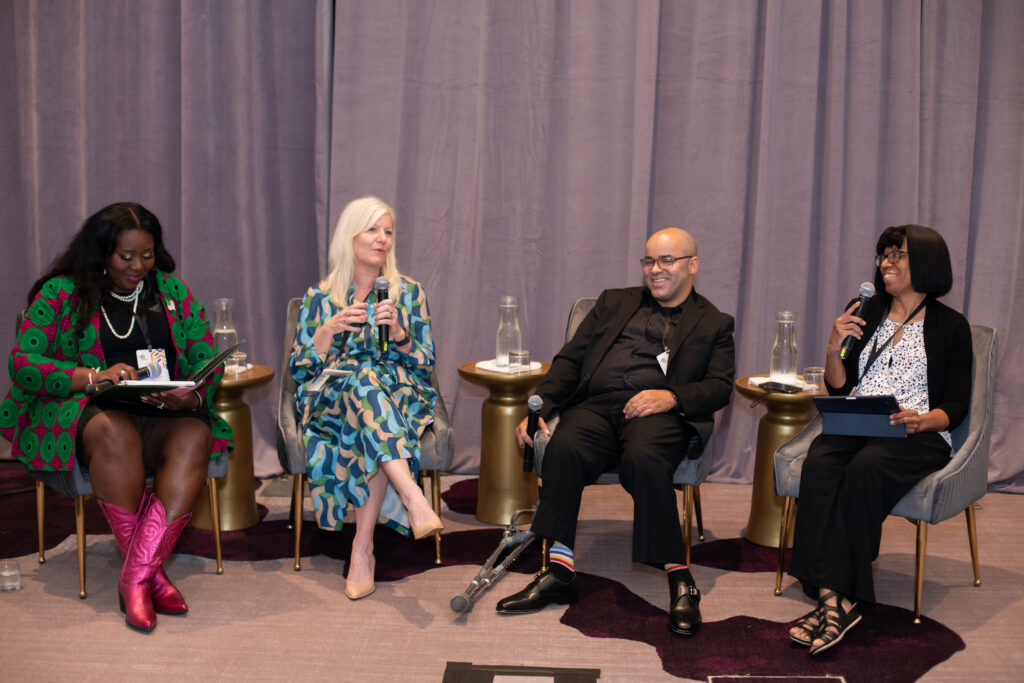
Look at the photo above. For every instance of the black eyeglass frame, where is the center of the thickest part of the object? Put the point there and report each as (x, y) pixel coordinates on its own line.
(664, 261)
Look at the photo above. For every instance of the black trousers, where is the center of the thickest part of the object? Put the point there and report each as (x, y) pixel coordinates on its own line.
(848, 486)
(594, 437)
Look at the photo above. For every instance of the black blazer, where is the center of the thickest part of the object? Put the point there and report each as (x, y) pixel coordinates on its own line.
(947, 345)
(701, 361)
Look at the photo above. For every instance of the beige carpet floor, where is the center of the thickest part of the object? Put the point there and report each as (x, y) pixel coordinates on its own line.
(262, 621)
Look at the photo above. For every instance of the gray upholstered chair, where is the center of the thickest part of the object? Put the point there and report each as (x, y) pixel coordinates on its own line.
(688, 476)
(75, 484)
(437, 446)
(941, 495)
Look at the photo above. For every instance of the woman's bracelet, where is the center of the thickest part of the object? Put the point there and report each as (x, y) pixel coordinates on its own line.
(200, 397)
(401, 343)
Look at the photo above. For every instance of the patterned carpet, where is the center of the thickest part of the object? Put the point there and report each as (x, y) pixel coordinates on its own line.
(884, 647)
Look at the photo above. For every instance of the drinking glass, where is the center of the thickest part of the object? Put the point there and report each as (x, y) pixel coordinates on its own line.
(10, 576)
(519, 360)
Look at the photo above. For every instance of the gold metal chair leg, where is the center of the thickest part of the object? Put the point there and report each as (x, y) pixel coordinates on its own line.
(697, 511)
(41, 519)
(211, 485)
(435, 491)
(544, 554)
(298, 498)
(972, 537)
(687, 515)
(787, 511)
(922, 546)
(80, 532)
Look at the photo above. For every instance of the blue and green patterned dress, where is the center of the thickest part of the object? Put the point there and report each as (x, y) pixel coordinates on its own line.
(351, 424)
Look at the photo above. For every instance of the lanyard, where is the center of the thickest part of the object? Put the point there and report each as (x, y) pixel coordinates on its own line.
(876, 350)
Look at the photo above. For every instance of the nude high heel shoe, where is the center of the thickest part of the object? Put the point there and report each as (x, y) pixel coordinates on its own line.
(428, 527)
(360, 589)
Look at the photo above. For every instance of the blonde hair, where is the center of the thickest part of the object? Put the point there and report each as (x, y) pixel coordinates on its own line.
(358, 217)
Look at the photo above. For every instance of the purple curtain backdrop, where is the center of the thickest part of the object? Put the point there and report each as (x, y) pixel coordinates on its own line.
(529, 149)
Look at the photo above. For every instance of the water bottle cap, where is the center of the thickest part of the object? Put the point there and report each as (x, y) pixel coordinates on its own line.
(785, 316)
(508, 301)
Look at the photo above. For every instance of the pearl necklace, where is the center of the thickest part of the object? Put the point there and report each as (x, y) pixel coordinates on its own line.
(134, 298)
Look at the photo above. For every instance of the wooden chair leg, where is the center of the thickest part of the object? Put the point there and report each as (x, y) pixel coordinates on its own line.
(697, 511)
(298, 498)
(687, 515)
(435, 494)
(211, 485)
(972, 537)
(787, 511)
(41, 519)
(922, 546)
(80, 532)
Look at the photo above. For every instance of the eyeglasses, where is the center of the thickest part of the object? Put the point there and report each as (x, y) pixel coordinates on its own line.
(893, 257)
(663, 261)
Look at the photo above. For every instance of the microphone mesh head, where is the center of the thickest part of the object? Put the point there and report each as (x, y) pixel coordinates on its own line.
(534, 403)
(383, 283)
(867, 290)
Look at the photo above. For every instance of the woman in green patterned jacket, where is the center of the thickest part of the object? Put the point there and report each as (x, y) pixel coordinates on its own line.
(109, 296)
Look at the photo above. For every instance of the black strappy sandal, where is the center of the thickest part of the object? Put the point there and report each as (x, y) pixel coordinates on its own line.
(837, 622)
(810, 624)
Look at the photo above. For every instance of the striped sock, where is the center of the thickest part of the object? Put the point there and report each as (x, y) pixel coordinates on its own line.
(678, 572)
(561, 562)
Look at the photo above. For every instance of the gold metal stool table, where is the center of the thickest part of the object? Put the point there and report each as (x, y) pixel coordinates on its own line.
(504, 487)
(237, 495)
(787, 414)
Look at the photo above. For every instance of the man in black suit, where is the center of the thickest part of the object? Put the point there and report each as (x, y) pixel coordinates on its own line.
(636, 388)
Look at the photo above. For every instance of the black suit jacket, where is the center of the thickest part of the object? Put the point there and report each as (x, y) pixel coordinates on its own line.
(701, 361)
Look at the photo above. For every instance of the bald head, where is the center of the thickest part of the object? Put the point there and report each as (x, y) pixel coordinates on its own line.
(670, 285)
(677, 241)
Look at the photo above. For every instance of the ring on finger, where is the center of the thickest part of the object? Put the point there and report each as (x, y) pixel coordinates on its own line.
(161, 406)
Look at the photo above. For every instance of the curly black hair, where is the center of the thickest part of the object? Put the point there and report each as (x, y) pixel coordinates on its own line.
(85, 259)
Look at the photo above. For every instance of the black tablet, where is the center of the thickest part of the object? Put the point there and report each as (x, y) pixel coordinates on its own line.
(859, 415)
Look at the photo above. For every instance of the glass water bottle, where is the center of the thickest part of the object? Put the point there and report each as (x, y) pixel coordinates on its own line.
(224, 333)
(783, 365)
(509, 336)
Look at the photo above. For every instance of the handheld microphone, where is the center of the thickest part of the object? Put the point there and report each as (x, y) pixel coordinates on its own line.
(151, 370)
(867, 290)
(533, 404)
(380, 289)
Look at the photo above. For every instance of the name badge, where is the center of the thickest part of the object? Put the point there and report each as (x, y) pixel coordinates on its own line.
(158, 357)
(663, 362)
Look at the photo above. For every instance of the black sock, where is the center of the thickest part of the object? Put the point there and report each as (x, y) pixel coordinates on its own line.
(681, 575)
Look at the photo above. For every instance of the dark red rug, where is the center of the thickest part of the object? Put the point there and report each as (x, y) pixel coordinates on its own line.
(885, 646)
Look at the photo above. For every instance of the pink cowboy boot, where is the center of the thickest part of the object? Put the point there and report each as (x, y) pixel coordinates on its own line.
(166, 598)
(151, 545)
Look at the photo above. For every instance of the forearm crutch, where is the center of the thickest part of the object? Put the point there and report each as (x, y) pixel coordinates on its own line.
(493, 570)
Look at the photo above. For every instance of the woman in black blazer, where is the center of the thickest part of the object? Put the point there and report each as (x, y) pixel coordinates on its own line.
(918, 349)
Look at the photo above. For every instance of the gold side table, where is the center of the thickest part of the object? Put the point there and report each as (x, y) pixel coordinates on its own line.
(236, 493)
(787, 414)
(504, 487)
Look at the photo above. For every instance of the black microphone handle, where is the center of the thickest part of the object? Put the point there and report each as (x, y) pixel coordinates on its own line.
(382, 330)
(850, 340)
(532, 420)
(96, 388)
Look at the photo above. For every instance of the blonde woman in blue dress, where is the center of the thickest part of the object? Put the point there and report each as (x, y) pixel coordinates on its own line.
(361, 425)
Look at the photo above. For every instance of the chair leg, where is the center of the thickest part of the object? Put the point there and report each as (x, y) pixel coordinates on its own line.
(922, 546)
(787, 512)
(211, 485)
(80, 533)
(544, 554)
(697, 511)
(298, 498)
(972, 537)
(41, 519)
(435, 494)
(687, 519)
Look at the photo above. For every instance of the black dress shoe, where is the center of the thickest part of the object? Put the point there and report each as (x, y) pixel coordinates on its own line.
(545, 589)
(684, 614)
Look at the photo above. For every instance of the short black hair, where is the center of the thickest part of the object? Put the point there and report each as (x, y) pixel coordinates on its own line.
(931, 271)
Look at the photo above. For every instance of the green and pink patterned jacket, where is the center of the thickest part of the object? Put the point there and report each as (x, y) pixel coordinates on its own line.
(39, 416)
